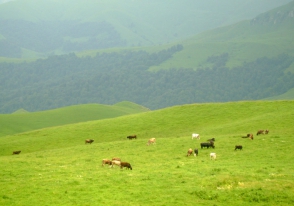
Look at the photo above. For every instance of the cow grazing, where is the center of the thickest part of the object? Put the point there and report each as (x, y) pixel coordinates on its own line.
(248, 136)
(151, 141)
(132, 137)
(195, 136)
(212, 156)
(238, 147)
(260, 132)
(266, 131)
(207, 144)
(115, 162)
(16, 152)
(106, 162)
(190, 151)
(195, 152)
(126, 165)
(212, 139)
(89, 141)
(116, 158)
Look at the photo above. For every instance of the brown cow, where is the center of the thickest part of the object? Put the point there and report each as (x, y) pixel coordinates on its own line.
(132, 137)
(260, 132)
(16, 152)
(190, 151)
(106, 162)
(248, 136)
(151, 141)
(126, 165)
(266, 131)
(89, 141)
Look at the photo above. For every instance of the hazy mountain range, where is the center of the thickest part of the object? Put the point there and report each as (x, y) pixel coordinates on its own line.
(32, 28)
(156, 54)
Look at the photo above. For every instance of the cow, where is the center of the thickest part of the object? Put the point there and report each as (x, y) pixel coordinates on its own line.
(266, 131)
(238, 147)
(115, 162)
(16, 152)
(132, 137)
(126, 165)
(190, 151)
(195, 152)
(116, 158)
(248, 136)
(89, 141)
(212, 139)
(195, 136)
(260, 132)
(151, 141)
(207, 144)
(106, 162)
(212, 156)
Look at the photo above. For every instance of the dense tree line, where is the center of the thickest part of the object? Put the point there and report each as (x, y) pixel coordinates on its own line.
(109, 78)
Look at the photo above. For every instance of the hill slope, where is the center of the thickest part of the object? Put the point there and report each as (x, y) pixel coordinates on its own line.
(55, 167)
(267, 35)
(215, 119)
(23, 122)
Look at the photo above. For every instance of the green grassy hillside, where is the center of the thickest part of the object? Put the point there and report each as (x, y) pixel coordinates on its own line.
(24, 121)
(269, 34)
(57, 168)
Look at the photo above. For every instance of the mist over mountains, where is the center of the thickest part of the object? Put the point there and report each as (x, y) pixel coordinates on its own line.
(101, 52)
(31, 28)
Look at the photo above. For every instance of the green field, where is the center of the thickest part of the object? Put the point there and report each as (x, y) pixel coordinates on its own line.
(55, 167)
(23, 121)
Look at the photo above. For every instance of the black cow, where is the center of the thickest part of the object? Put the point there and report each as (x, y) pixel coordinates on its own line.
(132, 137)
(16, 152)
(238, 147)
(195, 152)
(207, 144)
(89, 141)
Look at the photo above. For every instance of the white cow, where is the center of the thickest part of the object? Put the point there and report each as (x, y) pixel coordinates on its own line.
(196, 136)
(213, 156)
(151, 141)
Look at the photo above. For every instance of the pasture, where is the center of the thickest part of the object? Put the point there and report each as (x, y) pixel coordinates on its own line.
(55, 167)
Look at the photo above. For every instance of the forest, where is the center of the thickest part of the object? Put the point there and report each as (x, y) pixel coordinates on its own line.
(108, 78)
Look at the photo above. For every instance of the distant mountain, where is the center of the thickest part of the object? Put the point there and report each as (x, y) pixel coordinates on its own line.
(33, 28)
(266, 35)
(248, 60)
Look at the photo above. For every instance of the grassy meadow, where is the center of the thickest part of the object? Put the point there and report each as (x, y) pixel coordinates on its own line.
(23, 121)
(55, 167)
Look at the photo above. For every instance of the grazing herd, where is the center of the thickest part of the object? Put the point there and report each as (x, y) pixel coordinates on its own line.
(209, 144)
(116, 161)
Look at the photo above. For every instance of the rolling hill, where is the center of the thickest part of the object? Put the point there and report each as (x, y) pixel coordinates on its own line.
(226, 119)
(20, 121)
(56, 167)
(267, 35)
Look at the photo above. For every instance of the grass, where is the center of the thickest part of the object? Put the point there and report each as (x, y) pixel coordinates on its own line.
(57, 168)
(23, 121)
